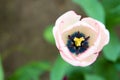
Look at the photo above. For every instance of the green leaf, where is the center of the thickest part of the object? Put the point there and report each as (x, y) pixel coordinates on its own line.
(31, 71)
(1, 71)
(93, 77)
(105, 68)
(76, 75)
(77, 72)
(48, 34)
(112, 50)
(92, 8)
(117, 66)
(59, 69)
(112, 9)
(110, 72)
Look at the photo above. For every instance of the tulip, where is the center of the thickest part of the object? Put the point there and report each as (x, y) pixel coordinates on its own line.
(79, 41)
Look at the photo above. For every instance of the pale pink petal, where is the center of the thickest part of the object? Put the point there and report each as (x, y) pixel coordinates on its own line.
(67, 19)
(84, 62)
(103, 31)
(62, 48)
(60, 44)
(68, 57)
(88, 60)
(66, 52)
(55, 34)
(88, 52)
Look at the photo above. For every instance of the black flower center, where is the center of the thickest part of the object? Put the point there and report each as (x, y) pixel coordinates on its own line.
(77, 42)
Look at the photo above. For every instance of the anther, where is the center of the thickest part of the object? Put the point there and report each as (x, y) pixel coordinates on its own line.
(69, 37)
(87, 38)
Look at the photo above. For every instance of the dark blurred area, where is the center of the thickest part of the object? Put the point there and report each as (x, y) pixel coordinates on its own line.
(22, 23)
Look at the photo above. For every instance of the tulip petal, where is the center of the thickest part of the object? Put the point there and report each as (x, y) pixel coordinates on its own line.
(67, 19)
(103, 31)
(55, 34)
(76, 62)
(88, 60)
(66, 55)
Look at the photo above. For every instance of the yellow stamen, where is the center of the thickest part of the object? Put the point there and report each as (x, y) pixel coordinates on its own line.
(78, 41)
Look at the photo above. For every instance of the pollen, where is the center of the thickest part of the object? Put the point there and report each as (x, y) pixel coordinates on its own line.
(78, 41)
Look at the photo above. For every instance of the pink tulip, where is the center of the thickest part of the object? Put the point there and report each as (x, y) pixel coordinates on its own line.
(79, 41)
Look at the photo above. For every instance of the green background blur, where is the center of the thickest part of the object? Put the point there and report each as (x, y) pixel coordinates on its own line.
(27, 48)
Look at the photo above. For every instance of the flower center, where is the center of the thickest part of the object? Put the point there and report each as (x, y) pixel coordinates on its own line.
(77, 42)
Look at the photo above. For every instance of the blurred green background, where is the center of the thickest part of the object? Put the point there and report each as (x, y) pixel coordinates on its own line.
(27, 48)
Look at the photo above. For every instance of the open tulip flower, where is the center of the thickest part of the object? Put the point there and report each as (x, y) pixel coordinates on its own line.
(79, 41)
